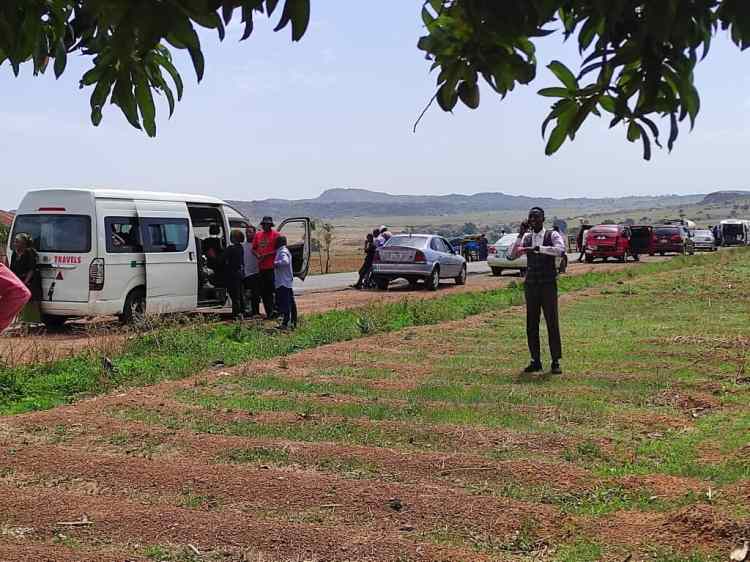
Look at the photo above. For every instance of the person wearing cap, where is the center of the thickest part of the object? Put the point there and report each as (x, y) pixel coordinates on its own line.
(264, 246)
(541, 247)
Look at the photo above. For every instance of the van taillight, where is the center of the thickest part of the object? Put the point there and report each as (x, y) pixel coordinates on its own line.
(96, 275)
(676, 238)
(419, 257)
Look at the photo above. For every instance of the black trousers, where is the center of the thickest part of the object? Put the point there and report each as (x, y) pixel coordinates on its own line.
(267, 290)
(234, 287)
(542, 297)
(287, 305)
(252, 293)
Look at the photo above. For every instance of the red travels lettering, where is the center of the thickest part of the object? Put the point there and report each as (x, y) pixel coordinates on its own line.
(68, 260)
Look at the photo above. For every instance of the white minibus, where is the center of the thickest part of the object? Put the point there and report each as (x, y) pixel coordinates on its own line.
(105, 252)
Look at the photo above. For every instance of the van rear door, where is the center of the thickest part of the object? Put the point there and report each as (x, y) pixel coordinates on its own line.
(64, 252)
(171, 264)
(298, 232)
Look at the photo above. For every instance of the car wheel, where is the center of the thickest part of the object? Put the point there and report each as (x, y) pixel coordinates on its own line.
(135, 307)
(382, 283)
(53, 322)
(522, 272)
(497, 271)
(413, 282)
(589, 258)
(461, 279)
(433, 281)
(636, 257)
(661, 254)
(622, 258)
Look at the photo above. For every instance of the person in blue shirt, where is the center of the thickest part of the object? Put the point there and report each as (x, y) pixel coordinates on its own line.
(284, 282)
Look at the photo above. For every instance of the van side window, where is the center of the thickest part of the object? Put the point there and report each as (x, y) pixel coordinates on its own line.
(165, 235)
(123, 236)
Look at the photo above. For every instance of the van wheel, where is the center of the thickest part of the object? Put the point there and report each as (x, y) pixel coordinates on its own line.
(53, 322)
(497, 271)
(461, 279)
(433, 281)
(135, 307)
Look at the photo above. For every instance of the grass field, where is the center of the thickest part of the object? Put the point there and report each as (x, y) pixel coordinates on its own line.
(420, 442)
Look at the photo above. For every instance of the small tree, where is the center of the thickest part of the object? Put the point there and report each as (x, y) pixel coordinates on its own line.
(325, 236)
(470, 228)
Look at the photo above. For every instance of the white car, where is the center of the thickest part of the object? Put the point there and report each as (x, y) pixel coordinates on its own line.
(497, 257)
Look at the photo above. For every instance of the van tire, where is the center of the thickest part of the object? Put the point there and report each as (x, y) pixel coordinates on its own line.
(135, 306)
(53, 322)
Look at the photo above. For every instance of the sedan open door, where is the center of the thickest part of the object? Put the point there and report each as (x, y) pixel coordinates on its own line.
(298, 232)
(171, 262)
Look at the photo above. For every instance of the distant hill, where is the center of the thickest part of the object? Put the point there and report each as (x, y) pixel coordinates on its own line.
(338, 203)
(723, 197)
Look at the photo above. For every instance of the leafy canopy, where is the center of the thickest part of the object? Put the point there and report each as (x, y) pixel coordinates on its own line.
(637, 56)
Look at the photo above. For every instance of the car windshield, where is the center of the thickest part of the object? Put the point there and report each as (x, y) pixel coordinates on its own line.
(703, 233)
(418, 242)
(612, 231)
(666, 231)
(56, 233)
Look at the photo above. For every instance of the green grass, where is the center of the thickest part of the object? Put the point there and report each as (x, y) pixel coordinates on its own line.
(178, 352)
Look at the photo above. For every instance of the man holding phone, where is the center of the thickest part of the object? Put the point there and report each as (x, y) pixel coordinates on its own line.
(541, 247)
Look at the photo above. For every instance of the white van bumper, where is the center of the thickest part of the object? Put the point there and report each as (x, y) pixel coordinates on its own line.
(78, 309)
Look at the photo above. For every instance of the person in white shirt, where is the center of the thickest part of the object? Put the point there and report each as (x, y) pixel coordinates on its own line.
(284, 281)
(541, 247)
(383, 238)
(251, 281)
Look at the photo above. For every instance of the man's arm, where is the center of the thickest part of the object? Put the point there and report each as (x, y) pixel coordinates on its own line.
(557, 248)
(517, 249)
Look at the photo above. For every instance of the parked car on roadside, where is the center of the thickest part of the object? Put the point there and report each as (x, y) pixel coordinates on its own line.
(497, 258)
(673, 240)
(418, 256)
(704, 241)
(606, 241)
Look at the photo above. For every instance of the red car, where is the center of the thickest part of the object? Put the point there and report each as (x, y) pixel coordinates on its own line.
(619, 241)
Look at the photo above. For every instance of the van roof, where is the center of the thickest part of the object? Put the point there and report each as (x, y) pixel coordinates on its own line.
(132, 194)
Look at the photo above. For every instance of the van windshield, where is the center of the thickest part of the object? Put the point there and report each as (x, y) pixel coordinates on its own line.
(56, 233)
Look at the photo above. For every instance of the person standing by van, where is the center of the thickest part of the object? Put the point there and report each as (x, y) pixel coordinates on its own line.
(251, 283)
(23, 263)
(264, 245)
(541, 247)
(284, 282)
(14, 294)
(234, 271)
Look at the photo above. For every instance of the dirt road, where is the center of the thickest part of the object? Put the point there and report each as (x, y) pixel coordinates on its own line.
(105, 334)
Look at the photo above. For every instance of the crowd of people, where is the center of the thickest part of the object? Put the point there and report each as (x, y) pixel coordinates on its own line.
(258, 269)
(374, 240)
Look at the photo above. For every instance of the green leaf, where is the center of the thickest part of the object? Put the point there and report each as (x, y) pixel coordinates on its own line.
(564, 75)
(61, 58)
(634, 131)
(468, 92)
(145, 101)
(99, 97)
(122, 96)
(170, 68)
(556, 139)
(607, 103)
(447, 97)
(554, 92)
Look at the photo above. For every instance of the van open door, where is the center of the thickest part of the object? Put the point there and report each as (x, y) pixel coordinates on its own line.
(171, 262)
(298, 232)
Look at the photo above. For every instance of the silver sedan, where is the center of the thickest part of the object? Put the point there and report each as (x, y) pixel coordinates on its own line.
(418, 256)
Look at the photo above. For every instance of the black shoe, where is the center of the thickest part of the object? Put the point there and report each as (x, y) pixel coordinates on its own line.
(555, 369)
(534, 367)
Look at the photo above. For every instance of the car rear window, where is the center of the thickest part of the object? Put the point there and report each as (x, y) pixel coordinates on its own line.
(70, 234)
(418, 242)
(666, 231)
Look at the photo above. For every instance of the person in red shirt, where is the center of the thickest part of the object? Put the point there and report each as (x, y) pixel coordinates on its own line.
(13, 296)
(264, 246)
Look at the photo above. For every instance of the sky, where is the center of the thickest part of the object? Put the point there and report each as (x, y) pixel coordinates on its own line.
(276, 119)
